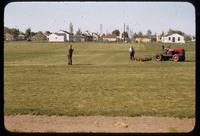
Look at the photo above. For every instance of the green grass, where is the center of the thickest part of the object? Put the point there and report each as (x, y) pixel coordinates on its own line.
(101, 81)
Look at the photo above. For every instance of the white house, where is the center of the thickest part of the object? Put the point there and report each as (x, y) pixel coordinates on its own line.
(21, 37)
(90, 36)
(69, 36)
(55, 37)
(95, 36)
(61, 36)
(173, 38)
(193, 39)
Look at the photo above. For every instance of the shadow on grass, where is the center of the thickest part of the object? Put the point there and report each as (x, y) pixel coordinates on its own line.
(189, 61)
(81, 64)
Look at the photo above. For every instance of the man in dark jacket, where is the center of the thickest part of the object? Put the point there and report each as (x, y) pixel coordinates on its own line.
(131, 52)
(69, 54)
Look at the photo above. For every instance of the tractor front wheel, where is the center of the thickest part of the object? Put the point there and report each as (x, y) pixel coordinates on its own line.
(159, 57)
(175, 58)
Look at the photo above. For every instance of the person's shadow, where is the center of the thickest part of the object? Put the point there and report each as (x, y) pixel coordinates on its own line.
(82, 64)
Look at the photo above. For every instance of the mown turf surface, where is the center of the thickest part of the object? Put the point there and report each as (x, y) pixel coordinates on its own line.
(101, 81)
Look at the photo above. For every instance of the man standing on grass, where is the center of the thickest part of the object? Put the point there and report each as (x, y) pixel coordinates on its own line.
(69, 54)
(131, 52)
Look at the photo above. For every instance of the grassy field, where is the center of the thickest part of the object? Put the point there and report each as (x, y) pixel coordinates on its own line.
(101, 81)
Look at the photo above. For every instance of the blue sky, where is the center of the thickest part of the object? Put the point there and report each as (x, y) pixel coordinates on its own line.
(139, 16)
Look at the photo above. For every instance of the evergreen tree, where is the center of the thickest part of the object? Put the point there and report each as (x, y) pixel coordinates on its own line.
(116, 32)
(28, 34)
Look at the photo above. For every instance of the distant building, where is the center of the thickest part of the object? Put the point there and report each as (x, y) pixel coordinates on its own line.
(47, 35)
(158, 38)
(142, 39)
(69, 36)
(109, 38)
(39, 36)
(79, 38)
(61, 36)
(9, 37)
(21, 37)
(173, 38)
(95, 36)
(90, 36)
(55, 37)
(193, 39)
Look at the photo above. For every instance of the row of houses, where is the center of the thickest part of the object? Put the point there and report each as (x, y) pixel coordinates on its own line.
(64, 36)
(10, 37)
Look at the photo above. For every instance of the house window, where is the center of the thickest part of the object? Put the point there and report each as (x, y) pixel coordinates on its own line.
(169, 38)
(178, 38)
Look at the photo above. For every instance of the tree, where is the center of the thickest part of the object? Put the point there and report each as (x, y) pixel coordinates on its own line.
(78, 32)
(15, 32)
(162, 34)
(125, 36)
(149, 33)
(140, 34)
(127, 29)
(135, 35)
(33, 34)
(71, 28)
(187, 37)
(78, 35)
(116, 32)
(6, 30)
(28, 34)
(171, 31)
(47, 33)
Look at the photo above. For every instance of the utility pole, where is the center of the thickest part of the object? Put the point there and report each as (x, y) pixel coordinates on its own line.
(124, 32)
(100, 28)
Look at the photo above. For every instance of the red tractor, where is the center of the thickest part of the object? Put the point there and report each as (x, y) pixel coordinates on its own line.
(175, 54)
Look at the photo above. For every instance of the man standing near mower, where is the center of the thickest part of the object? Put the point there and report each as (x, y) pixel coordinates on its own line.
(131, 52)
(69, 54)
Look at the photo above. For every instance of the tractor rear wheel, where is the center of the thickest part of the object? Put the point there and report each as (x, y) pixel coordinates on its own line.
(159, 57)
(175, 58)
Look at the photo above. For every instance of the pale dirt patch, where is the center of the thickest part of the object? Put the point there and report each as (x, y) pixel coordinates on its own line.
(29, 123)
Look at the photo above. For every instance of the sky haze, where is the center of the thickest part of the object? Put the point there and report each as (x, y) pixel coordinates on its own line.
(139, 16)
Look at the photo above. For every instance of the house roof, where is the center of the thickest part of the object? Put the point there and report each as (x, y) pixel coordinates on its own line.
(171, 34)
(47, 34)
(109, 36)
(66, 32)
(86, 33)
(60, 34)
